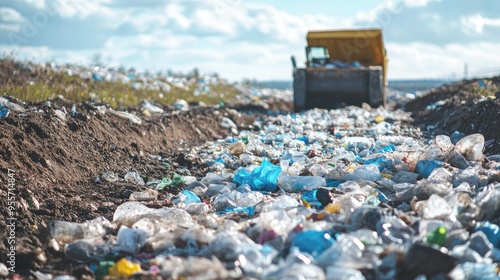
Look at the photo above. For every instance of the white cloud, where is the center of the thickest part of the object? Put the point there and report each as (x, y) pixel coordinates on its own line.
(477, 23)
(417, 3)
(40, 4)
(422, 60)
(82, 8)
(244, 39)
(11, 20)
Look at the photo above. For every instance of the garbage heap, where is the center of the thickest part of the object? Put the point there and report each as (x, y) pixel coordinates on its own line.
(339, 194)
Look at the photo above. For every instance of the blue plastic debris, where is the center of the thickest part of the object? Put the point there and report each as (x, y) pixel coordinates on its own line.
(4, 112)
(191, 197)
(262, 178)
(425, 167)
(249, 210)
(313, 242)
(491, 231)
(303, 139)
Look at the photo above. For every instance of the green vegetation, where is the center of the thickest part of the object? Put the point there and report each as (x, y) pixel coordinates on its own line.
(485, 88)
(30, 82)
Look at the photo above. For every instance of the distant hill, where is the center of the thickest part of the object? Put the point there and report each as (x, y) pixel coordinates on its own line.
(275, 84)
(416, 85)
(399, 85)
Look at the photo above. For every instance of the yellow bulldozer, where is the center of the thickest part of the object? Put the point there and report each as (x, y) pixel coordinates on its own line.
(342, 66)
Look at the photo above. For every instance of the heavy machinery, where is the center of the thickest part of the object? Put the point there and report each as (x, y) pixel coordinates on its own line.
(343, 66)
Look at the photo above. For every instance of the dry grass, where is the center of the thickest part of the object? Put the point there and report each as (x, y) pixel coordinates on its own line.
(37, 83)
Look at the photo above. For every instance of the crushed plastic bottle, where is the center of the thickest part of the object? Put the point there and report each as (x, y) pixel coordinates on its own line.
(63, 231)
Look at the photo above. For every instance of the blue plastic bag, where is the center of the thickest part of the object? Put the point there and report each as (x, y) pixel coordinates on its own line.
(262, 178)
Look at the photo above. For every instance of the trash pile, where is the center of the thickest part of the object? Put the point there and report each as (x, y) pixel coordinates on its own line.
(338, 64)
(339, 194)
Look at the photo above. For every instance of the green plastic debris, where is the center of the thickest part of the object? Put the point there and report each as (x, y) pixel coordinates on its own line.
(103, 269)
(244, 139)
(167, 182)
(437, 236)
(166, 165)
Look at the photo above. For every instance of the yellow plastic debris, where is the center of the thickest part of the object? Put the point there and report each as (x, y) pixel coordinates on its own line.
(386, 175)
(124, 268)
(332, 208)
(379, 119)
(306, 204)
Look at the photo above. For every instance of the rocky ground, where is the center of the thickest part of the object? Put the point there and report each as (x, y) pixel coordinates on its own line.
(57, 162)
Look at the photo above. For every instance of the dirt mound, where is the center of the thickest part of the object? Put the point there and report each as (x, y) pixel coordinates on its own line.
(458, 107)
(56, 163)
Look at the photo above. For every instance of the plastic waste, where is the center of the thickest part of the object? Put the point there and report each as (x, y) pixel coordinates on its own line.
(124, 268)
(368, 172)
(313, 242)
(87, 250)
(181, 104)
(425, 167)
(491, 231)
(63, 231)
(474, 271)
(130, 212)
(436, 208)
(4, 112)
(405, 177)
(437, 236)
(146, 105)
(146, 195)
(262, 178)
(471, 147)
(300, 183)
(318, 198)
(187, 197)
(125, 115)
(102, 269)
(134, 177)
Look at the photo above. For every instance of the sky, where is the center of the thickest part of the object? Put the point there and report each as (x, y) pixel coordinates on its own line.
(251, 39)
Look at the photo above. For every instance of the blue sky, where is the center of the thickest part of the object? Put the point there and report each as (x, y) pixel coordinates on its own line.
(254, 38)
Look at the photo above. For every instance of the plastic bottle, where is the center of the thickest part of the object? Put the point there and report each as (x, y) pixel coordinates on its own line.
(63, 231)
(437, 236)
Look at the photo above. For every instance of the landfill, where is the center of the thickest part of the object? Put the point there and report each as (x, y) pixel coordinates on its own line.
(348, 193)
(339, 194)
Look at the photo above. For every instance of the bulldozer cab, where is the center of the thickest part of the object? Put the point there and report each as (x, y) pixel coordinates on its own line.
(317, 56)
